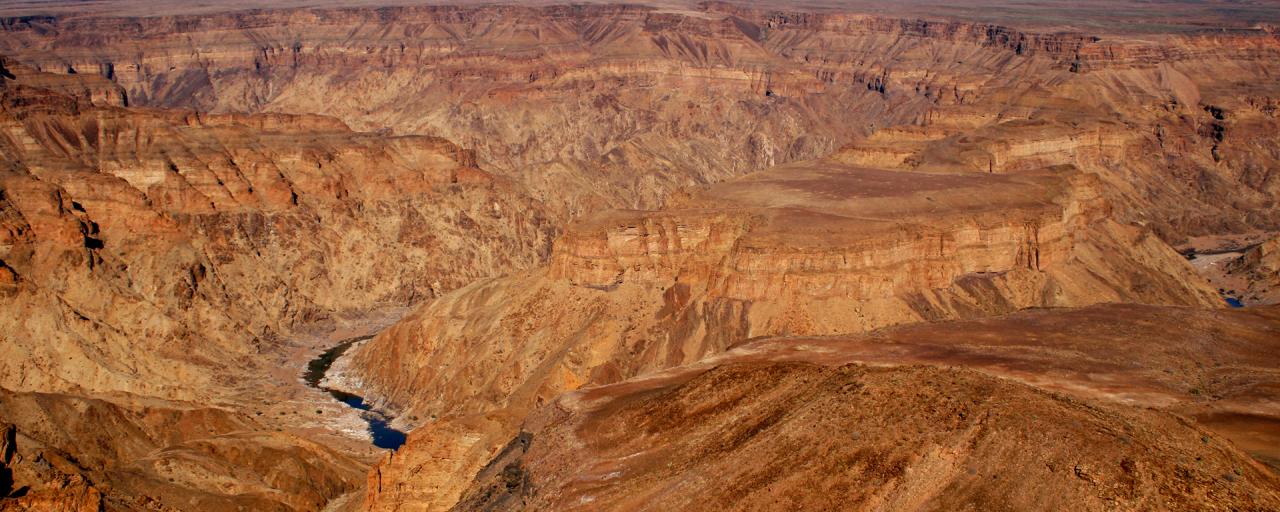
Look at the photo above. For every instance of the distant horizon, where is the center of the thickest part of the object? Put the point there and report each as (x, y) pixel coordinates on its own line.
(1099, 16)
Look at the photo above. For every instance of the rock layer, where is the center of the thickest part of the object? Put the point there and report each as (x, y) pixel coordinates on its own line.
(202, 240)
(149, 454)
(618, 106)
(36, 485)
(1259, 268)
(808, 248)
(155, 259)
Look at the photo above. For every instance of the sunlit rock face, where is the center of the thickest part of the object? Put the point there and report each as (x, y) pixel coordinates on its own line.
(812, 248)
(617, 199)
(776, 435)
(619, 106)
(208, 237)
(155, 264)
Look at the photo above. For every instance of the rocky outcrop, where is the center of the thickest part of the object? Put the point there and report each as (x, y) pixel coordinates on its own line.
(619, 106)
(95, 89)
(1263, 259)
(155, 259)
(27, 485)
(589, 106)
(150, 255)
(1184, 151)
(1257, 273)
(812, 248)
(201, 240)
(825, 231)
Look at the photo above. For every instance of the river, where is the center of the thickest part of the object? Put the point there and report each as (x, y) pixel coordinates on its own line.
(380, 430)
(1212, 265)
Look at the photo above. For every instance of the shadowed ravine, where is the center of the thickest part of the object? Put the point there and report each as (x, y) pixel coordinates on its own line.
(379, 424)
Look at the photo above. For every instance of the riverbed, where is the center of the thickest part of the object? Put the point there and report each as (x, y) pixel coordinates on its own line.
(379, 424)
(1213, 267)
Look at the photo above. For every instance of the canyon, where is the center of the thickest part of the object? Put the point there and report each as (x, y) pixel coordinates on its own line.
(815, 248)
(622, 105)
(208, 243)
(639, 256)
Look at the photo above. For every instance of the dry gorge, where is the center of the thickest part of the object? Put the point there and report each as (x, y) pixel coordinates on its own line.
(676, 255)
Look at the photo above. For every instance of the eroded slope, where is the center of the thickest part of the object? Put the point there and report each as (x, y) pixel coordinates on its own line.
(154, 265)
(808, 248)
(769, 436)
(618, 106)
(201, 239)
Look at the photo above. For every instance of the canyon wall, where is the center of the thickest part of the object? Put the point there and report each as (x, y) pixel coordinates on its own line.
(202, 239)
(618, 106)
(1179, 153)
(1256, 273)
(807, 248)
(589, 107)
(180, 194)
(119, 454)
(1263, 260)
(155, 265)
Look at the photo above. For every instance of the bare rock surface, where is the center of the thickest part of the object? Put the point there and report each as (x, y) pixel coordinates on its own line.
(163, 272)
(773, 436)
(203, 240)
(806, 248)
(1257, 271)
(595, 106)
(754, 209)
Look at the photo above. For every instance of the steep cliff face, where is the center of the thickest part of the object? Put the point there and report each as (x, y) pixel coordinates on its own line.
(815, 248)
(37, 486)
(202, 239)
(155, 259)
(619, 106)
(726, 427)
(808, 248)
(1264, 260)
(1182, 148)
(589, 107)
(94, 89)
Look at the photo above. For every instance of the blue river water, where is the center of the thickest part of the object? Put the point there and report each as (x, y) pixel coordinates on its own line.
(380, 430)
